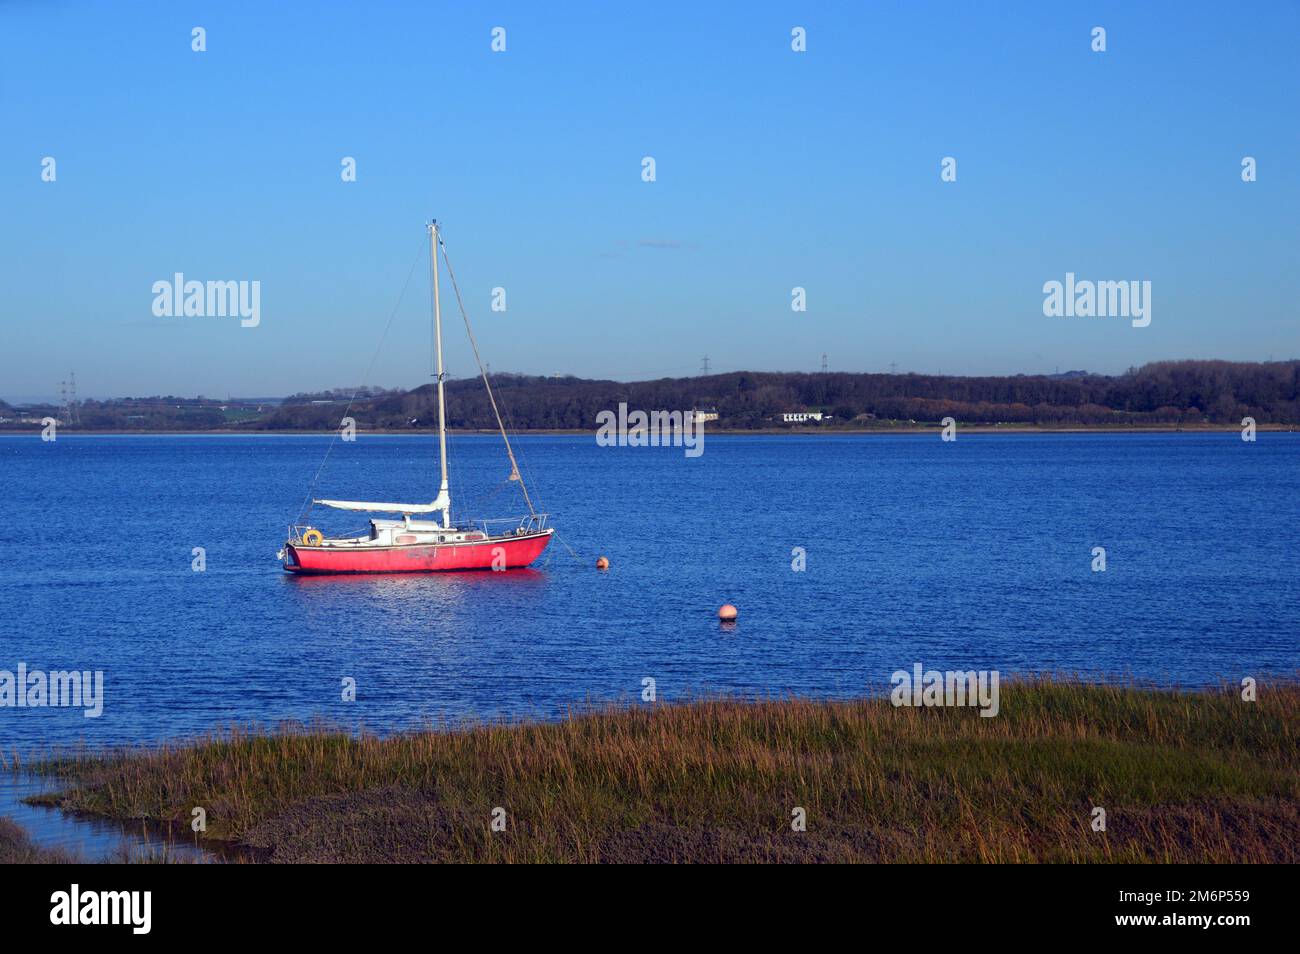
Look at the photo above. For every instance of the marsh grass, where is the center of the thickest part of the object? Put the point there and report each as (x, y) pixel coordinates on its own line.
(1183, 777)
(16, 848)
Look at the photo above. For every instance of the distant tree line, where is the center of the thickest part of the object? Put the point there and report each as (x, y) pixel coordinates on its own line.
(340, 394)
(158, 413)
(1165, 392)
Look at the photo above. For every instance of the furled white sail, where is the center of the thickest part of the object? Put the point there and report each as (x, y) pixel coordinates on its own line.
(440, 504)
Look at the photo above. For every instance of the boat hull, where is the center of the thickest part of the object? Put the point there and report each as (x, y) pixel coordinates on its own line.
(504, 553)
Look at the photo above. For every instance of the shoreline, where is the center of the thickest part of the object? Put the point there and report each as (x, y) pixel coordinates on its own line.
(721, 432)
(1186, 776)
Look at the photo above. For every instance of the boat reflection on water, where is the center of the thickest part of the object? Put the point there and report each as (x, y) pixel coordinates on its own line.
(448, 584)
(419, 646)
(449, 607)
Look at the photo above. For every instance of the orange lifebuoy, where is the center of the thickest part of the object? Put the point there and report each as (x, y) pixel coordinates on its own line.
(313, 538)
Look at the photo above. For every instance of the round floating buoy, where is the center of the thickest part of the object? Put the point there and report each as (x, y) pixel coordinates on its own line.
(727, 613)
(313, 538)
(602, 563)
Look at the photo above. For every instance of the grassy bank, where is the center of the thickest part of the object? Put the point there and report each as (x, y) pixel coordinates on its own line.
(1182, 776)
(16, 848)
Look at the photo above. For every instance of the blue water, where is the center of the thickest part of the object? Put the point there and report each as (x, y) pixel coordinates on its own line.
(971, 554)
(85, 838)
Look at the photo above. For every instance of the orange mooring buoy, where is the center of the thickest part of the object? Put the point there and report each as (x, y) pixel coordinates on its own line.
(602, 563)
(727, 613)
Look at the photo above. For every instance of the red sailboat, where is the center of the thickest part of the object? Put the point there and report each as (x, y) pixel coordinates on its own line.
(408, 545)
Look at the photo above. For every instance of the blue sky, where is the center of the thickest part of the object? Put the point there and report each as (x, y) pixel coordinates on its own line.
(775, 169)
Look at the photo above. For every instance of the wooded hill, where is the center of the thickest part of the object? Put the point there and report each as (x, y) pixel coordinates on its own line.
(1165, 392)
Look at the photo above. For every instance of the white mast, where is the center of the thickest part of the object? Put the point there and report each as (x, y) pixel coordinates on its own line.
(444, 495)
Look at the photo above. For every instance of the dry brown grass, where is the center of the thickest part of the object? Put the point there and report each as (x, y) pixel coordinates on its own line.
(1184, 777)
(17, 849)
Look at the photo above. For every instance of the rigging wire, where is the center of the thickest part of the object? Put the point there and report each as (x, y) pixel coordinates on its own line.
(523, 458)
(525, 468)
(306, 504)
(567, 547)
(514, 464)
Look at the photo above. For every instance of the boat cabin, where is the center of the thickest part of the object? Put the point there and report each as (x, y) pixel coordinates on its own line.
(399, 532)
